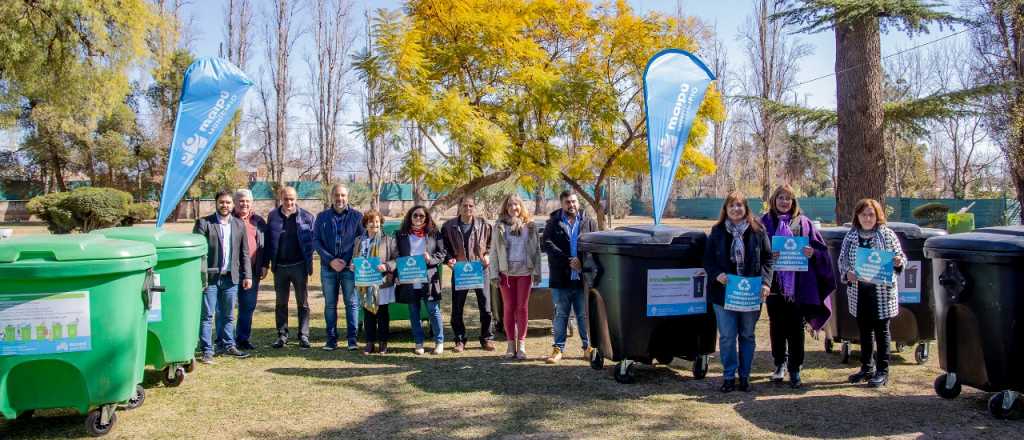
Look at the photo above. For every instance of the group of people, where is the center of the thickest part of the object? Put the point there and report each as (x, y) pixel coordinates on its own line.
(244, 247)
(740, 244)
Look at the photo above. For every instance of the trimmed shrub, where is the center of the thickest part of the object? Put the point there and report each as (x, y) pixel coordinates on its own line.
(50, 209)
(932, 214)
(138, 213)
(84, 209)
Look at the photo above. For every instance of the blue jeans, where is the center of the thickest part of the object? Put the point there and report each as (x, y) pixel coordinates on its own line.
(246, 308)
(565, 299)
(732, 326)
(220, 298)
(343, 282)
(434, 315)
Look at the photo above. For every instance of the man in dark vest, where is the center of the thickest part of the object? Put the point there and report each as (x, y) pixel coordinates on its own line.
(289, 251)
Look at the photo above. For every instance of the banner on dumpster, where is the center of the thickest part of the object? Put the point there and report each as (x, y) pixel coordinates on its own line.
(411, 270)
(366, 273)
(211, 92)
(43, 323)
(155, 313)
(675, 292)
(743, 294)
(791, 253)
(467, 275)
(674, 85)
(910, 283)
(874, 266)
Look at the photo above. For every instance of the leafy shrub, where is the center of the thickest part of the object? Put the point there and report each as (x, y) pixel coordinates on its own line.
(84, 209)
(50, 209)
(138, 213)
(933, 214)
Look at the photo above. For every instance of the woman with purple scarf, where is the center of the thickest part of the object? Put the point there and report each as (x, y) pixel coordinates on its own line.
(796, 297)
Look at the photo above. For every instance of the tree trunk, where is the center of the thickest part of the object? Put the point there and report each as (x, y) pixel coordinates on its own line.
(448, 200)
(861, 169)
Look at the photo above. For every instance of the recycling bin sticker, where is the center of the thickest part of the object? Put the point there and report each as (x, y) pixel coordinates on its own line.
(467, 275)
(155, 313)
(743, 294)
(874, 266)
(791, 253)
(910, 283)
(674, 292)
(42, 323)
(366, 271)
(412, 270)
(545, 271)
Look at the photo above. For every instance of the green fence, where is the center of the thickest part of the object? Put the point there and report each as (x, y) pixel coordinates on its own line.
(987, 212)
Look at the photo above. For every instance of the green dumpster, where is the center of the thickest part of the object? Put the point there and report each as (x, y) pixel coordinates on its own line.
(173, 317)
(77, 306)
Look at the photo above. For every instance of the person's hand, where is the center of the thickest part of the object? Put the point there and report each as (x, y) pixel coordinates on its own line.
(382, 268)
(263, 273)
(575, 264)
(851, 277)
(536, 279)
(808, 251)
(897, 261)
(775, 254)
(337, 264)
(486, 261)
(247, 284)
(450, 263)
(722, 278)
(765, 291)
(352, 266)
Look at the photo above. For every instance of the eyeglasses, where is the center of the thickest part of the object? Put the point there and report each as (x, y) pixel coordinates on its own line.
(418, 215)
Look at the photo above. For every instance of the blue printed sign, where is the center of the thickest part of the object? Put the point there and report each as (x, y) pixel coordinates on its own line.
(366, 273)
(674, 85)
(743, 294)
(467, 275)
(43, 323)
(211, 92)
(874, 266)
(411, 270)
(791, 253)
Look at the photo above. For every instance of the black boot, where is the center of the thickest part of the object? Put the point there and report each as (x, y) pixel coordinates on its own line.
(794, 379)
(744, 384)
(865, 373)
(879, 379)
(728, 385)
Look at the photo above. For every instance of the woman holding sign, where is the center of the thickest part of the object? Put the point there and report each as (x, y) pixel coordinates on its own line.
(515, 245)
(738, 256)
(870, 259)
(414, 257)
(802, 282)
(375, 284)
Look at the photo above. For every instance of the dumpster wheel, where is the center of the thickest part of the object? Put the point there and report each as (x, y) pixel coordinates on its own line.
(921, 353)
(596, 359)
(625, 372)
(94, 421)
(947, 385)
(178, 376)
(1005, 405)
(137, 398)
(700, 366)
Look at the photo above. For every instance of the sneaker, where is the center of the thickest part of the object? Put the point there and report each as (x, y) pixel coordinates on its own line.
(353, 347)
(304, 343)
(744, 384)
(521, 353)
(279, 343)
(438, 348)
(370, 349)
(865, 374)
(728, 385)
(556, 355)
(207, 359)
(487, 345)
(383, 348)
(419, 349)
(587, 353)
(879, 379)
(780, 373)
(794, 380)
(330, 346)
(510, 353)
(459, 347)
(245, 345)
(235, 352)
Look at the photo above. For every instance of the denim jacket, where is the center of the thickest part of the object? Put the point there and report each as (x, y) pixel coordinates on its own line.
(336, 234)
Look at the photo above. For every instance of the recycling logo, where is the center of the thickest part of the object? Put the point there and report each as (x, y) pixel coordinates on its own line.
(467, 268)
(875, 258)
(410, 262)
(790, 245)
(743, 285)
(365, 265)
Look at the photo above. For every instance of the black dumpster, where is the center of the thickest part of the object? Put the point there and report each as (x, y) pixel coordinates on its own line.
(979, 313)
(647, 298)
(915, 323)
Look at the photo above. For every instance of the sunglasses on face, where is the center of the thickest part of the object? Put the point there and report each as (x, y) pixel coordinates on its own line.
(418, 215)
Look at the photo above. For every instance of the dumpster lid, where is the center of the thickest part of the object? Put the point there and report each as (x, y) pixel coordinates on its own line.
(74, 247)
(643, 234)
(159, 238)
(1002, 240)
(908, 230)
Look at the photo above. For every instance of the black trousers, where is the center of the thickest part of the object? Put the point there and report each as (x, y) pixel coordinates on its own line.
(786, 328)
(875, 337)
(378, 325)
(483, 302)
(285, 278)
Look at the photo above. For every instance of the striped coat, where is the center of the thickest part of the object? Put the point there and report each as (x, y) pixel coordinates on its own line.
(888, 296)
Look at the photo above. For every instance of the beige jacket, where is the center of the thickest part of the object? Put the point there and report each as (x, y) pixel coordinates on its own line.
(499, 251)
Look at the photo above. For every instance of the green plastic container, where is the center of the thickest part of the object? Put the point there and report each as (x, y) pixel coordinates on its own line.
(173, 318)
(95, 290)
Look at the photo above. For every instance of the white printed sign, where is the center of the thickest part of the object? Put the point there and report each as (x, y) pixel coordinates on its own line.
(673, 292)
(41, 323)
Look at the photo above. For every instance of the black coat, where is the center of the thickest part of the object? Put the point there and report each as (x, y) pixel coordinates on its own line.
(433, 253)
(757, 259)
(239, 265)
(555, 243)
